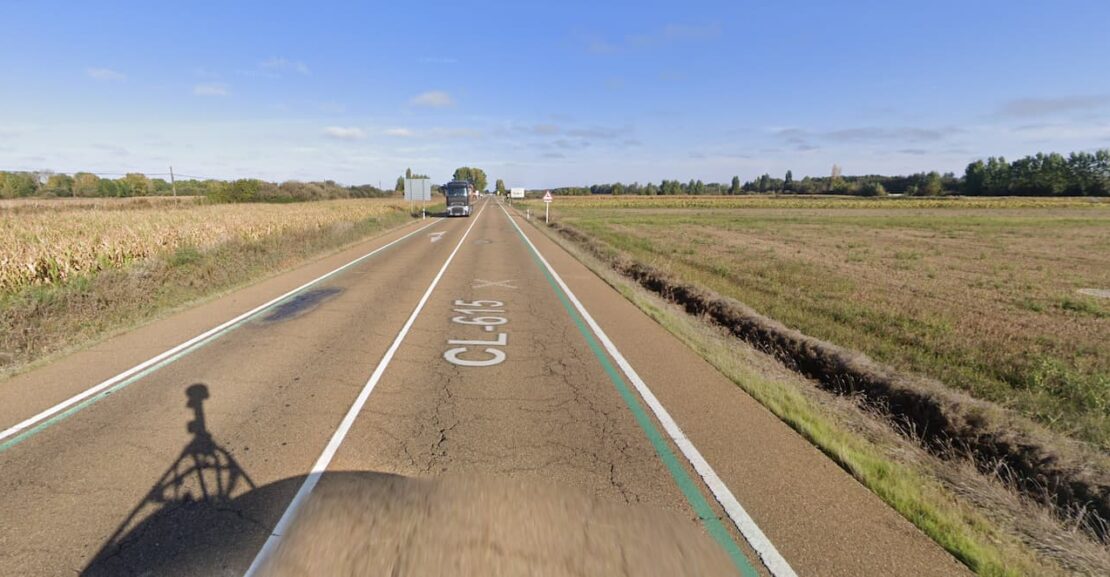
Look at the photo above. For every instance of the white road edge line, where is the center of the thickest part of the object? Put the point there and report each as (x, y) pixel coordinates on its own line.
(348, 420)
(767, 552)
(199, 339)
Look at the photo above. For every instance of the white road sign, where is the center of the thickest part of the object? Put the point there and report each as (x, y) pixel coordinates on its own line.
(547, 196)
(516, 193)
(418, 189)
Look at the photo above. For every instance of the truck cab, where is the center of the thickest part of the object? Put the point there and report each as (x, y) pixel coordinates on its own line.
(459, 194)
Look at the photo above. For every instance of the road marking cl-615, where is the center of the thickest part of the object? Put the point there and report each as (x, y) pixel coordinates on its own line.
(487, 322)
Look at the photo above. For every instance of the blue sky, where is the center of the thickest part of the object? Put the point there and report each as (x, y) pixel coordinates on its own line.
(547, 94)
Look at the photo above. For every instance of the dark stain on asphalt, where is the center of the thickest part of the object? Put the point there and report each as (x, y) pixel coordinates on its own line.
(301, 304)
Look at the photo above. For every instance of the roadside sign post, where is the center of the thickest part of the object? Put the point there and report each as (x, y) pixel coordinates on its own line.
(515, 193)
(418, 189)
(546, 207)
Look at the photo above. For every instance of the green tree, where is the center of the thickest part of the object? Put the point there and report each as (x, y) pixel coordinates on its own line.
(400, 186)
(160, 186)
(500, 186)
(18, 185)
(764, 183)
(476, 176)
(135, 184)
(28, 184)
(788, 182)
(931, 185)
(734, 188)
(242, 190)
(975, 178)
(85, 184)
(998, 176)
(107, 188)
(59, 185)
(1089, 174)
(872, 188)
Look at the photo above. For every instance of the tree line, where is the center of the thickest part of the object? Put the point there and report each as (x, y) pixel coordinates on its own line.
(476, 176)
(1078, 174)
(47, 184)
(1053, 174)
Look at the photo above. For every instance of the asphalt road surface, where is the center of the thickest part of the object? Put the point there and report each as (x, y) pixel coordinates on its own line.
(464, 384)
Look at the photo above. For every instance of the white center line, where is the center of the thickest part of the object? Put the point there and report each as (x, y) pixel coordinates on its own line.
(325, 458)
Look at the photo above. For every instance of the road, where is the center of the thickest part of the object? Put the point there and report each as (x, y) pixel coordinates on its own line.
(455, 349)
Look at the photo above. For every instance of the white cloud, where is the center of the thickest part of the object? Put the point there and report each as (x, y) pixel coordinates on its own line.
(404, 132)
(105, 74)
(210, 89)
(433, 99)
(467, 133)
(284, 64)
(344, 132)
(1032, 107)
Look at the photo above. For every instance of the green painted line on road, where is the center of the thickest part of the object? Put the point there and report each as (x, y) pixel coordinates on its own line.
(685, 484)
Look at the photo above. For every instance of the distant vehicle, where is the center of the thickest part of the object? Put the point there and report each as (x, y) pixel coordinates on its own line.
(459, 194)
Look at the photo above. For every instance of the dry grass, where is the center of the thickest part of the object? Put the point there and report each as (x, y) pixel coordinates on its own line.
(21, 205)
(41, 246)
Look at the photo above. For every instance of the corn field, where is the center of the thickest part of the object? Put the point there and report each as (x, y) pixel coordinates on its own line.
(44, 247)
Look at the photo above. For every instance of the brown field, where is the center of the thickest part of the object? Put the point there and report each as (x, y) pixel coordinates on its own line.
(982, 294)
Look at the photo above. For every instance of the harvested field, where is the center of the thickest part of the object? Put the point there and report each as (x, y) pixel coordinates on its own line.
(985, 299)
(1048, 468)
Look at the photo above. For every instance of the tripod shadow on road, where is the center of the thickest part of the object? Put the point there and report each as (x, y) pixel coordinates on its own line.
(196, 493)
(205, 515)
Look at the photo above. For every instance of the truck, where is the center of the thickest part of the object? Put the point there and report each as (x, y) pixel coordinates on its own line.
(460, 197)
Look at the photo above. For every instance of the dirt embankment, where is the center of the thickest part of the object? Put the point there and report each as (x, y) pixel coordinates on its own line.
(950, 424)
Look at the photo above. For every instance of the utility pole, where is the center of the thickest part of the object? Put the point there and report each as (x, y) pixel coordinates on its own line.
(173, 183)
